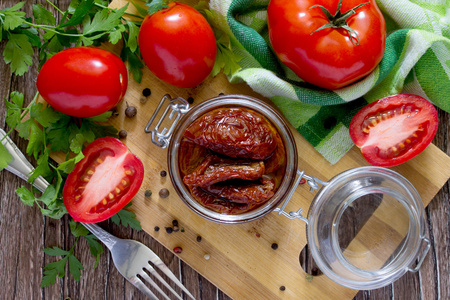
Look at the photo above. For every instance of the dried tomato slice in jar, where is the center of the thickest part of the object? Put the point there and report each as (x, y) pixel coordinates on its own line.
(232, 160)
(234, 132)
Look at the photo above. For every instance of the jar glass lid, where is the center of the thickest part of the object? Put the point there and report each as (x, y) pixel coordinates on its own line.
(385, 242)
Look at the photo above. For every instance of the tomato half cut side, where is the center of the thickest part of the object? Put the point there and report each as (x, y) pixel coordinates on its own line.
(394, 129)
(103, 182)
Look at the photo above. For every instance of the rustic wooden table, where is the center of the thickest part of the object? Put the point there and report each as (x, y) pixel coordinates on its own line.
(24, 232)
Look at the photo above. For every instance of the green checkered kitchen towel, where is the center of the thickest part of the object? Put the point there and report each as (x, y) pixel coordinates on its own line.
(416, 61)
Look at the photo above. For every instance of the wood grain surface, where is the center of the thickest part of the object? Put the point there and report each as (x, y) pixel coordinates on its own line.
(24, 233)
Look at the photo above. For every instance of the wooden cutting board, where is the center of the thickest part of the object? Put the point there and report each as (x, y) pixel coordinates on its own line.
(241, 261)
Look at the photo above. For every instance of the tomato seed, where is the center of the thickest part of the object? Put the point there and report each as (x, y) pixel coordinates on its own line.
(177, 250)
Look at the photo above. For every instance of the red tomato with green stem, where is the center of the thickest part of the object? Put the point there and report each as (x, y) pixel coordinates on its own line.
(103, 182)
(83, 81)
(178, 45)
(329, 43)
(394, 129)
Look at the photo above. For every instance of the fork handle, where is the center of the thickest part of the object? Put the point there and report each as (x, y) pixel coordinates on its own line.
(21, 167)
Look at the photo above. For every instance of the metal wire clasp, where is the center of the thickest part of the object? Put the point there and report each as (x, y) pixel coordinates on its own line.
(313, 184)
(178, 107)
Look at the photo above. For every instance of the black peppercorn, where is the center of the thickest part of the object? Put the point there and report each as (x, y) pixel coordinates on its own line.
(146, 92)
(163, 173)
(274, 246)
(282, 288)
(148, 193)
(123, 134)
(199, 239)
(175, 222)
(169, 229)
(130, 111)
(156, 228)
(164, 193)
(190, 100)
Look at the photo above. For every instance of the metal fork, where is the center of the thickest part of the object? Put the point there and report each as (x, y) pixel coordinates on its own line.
(130, 257)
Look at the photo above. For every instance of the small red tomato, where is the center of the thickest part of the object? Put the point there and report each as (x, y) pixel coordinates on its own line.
(348, 46)
(394, 129)
(83, 81)
(178, 45)
(103, 182)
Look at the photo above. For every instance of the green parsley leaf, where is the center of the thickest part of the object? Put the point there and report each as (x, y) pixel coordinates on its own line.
(142, 11)
(104, 21)
(18, 53)
(101, 118)
(76, 144)
(26, 196)
(134, 63)
(42, 15)
(75, 267)
(82, 8)
(12, 17)
(155, 6)
(14, 109)
(42, 168)
(69, 165)
(33, 133)
(5, 157)
(133, 33)
(98, 129)
(54, 269)
(95, 247)
(77, 228)
(55, 251)
(45, 116)
(126, 218)
(116, 34)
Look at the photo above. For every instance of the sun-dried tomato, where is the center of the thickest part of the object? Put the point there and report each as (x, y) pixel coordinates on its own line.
(216, 169)
(234, 132)
(232, 160)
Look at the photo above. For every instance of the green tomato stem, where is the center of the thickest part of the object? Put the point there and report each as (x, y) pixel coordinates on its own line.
(339, 20)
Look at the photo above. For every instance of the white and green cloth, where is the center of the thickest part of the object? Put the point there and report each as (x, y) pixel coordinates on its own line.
(416, 61)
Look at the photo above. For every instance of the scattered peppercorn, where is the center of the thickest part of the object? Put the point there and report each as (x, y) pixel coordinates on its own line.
(146, 92)
(199, 239)
(123, 134)
(163, 173)
(148, 193)
(282, 288)
(177, 250)
(175, 222)
(130, 111)
(164, 193)
(169, 229)
(309, 277)
(114, 112)
(176, 228)
(221, 94)
(274, 246)
(258, 234)
(190, 100)
(182, 229)
(156, 228)
(207, 256)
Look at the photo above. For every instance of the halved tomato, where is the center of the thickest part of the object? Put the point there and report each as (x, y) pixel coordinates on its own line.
(394, 129)
(103, 182)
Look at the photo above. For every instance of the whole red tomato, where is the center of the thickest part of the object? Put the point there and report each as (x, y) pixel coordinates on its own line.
(103, 182)
(83, 81)
(342, 51)
(178, 45)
